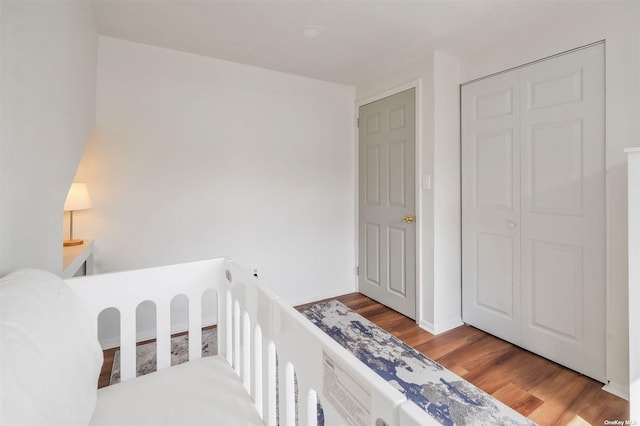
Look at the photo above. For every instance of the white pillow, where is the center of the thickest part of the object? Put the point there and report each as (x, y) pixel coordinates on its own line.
(50, 358)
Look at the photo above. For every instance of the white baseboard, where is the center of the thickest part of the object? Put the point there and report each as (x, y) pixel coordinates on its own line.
(441, 327)
(634, 399)
(425, 325)
(617, 389)
(315, 297)
(110, 342)
(142, 335)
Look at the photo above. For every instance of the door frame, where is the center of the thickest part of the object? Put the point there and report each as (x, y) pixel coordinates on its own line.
(416, 85)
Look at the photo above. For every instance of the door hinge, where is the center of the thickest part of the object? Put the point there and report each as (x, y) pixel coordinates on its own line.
(358, 122)
(357, 271)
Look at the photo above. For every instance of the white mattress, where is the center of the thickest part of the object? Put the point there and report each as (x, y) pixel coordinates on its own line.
(204, 391)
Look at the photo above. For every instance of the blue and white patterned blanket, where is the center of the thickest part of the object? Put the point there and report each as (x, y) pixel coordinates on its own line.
(447, 397)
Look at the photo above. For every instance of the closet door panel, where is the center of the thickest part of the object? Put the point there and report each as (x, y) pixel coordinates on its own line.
(562, 233)
(490, 198)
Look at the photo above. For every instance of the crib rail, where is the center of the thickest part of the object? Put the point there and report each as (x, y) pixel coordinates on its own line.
(275, 344)
(126, 290)
(287, 365)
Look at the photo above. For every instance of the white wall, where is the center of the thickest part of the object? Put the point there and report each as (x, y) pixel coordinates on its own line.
(617, 22)
(47, 96)
(446, 214)
(194, 158)
(634, 281)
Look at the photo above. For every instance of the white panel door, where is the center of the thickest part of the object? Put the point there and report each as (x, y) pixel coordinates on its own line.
(563, 209)
(387, 235)
(533, 208)
(491, 206)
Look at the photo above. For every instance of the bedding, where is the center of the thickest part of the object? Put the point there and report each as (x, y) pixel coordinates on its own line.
(205, 391)
(48, 376)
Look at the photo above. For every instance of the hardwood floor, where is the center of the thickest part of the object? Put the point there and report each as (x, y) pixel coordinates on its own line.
(107, 365)
(542, 390)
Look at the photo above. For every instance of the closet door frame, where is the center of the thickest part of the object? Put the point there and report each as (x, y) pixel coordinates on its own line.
(557, 244)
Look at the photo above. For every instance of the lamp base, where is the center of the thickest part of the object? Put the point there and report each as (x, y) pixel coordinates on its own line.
(69, 243)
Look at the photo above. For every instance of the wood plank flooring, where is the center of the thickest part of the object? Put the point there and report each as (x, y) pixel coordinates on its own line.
(107, 365)
(542, 390)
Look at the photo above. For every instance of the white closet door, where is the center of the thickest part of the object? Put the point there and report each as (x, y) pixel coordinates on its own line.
(533, 208)
(491, 206)
(563, 209)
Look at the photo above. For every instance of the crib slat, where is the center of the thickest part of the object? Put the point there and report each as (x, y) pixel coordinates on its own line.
(257, 360)
(272, 387)
(127, 344)
(289, 395)
(236, 337)
(228, 328)
(311, 408)
(163, 335)
(195, 327)
(246, 352)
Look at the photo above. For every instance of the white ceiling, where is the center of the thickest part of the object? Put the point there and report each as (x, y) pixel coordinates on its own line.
(360, 39)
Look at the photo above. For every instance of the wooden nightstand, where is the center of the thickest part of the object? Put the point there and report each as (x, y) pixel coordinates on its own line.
(77, 260)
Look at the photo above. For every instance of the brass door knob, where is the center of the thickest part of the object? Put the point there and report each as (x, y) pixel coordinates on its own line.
(409, 218)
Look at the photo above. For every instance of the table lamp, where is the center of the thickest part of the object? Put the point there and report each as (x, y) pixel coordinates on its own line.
(77, 199)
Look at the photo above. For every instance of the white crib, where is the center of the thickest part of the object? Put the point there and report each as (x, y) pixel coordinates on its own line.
(273, 366)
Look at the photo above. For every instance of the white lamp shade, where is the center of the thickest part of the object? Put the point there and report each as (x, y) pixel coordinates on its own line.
(77, 198)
